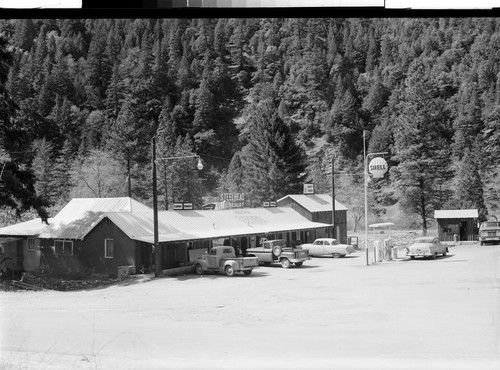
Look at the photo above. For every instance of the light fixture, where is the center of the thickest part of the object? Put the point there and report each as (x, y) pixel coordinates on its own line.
(200, 164)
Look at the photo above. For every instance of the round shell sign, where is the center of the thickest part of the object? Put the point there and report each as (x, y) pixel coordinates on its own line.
(378, 167)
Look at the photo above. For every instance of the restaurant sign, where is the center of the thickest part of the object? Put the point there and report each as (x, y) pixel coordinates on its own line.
(233, 200)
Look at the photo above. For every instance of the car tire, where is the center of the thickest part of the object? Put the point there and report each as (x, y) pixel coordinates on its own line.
(198, 269)
(277, 251)
(335, 255)
(285, 263)
(229, 270)
(247, 272)
(412, 257)
(299, 264)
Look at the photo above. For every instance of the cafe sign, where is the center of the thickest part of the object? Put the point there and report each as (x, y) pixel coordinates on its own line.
(378, 167)
(232, 200)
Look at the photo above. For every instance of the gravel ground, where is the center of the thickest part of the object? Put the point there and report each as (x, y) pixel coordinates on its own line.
(328, 314)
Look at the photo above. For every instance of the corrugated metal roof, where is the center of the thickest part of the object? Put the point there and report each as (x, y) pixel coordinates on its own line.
(315, 202)
(27, 228)
(456, 213)
(81, 215)
(189, 225)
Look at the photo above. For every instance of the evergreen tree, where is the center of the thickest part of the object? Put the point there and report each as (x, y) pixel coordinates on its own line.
(122, 139)
(469, 188)
(423, 156)
(273, 161)
(184, 174)
(61, 175)
(17, 190)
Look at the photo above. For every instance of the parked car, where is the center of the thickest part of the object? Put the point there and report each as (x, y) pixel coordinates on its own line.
(489, 231)
(427, 246)
(328, 247)
(223, 259)
(276, 251)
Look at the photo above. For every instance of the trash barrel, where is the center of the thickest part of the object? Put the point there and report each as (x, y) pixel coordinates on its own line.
(394, 253)
(455, 238)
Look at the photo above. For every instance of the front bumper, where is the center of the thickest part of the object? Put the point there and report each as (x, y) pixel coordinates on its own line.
(489, 238)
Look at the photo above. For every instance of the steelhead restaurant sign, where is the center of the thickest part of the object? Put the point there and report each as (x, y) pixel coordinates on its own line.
(233, 200)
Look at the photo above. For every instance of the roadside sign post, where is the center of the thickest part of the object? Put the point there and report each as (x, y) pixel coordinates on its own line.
(377, 174)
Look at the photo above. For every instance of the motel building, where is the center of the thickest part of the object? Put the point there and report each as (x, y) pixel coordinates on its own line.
(108, 234)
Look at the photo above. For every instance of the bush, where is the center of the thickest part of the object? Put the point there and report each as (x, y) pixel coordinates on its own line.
(64, 267)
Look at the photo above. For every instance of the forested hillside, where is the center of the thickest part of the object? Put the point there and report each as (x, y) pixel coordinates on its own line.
(266, 104)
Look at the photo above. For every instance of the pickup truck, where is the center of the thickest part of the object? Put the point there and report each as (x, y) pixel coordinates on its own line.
(276, 251)
(223, 259)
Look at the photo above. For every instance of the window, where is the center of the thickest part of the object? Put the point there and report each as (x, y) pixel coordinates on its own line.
(108, 248)
(64, 247)
(31, 244)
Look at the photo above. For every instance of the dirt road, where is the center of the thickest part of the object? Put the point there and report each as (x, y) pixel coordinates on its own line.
(328, 314)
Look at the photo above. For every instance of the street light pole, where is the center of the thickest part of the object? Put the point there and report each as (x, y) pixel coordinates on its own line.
(155, 204)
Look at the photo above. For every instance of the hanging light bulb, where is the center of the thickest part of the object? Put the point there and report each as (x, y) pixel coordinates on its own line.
(200, 164)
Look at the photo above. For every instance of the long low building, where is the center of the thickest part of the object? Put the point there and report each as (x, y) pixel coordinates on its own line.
(103, 234)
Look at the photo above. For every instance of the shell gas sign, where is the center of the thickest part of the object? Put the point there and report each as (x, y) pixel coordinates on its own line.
(378, 167)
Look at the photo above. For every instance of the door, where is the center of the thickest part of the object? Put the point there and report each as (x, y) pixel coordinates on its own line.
(145, 258)
(212, 259)
(19, 255)
(463, 230)
(317, 248)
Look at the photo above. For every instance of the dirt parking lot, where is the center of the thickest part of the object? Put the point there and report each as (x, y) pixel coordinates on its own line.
(328, 314)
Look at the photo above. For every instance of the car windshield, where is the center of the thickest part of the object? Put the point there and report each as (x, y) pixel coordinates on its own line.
(491, 224)
(280, 243)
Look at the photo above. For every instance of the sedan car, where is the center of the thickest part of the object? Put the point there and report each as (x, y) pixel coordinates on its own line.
(489, 231)
(328, 247)
(426, 246)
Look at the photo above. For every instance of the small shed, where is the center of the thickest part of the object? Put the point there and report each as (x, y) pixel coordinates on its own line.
(318, 208)
(457, 224)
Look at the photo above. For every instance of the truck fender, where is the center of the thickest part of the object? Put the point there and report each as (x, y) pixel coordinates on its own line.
(201, 263)
(233, 264)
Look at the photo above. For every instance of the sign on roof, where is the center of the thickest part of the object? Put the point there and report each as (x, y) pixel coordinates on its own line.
(308, 189)
(178, 206)
(232, 200)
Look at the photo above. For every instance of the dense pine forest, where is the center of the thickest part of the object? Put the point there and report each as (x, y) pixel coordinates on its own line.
(267, 104)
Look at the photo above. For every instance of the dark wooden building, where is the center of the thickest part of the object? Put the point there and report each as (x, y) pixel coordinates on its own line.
(457, 224)
(318, 208)
(110, 234)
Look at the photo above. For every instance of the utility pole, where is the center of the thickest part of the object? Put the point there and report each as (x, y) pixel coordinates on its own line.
(333, 198)
(155, 216)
